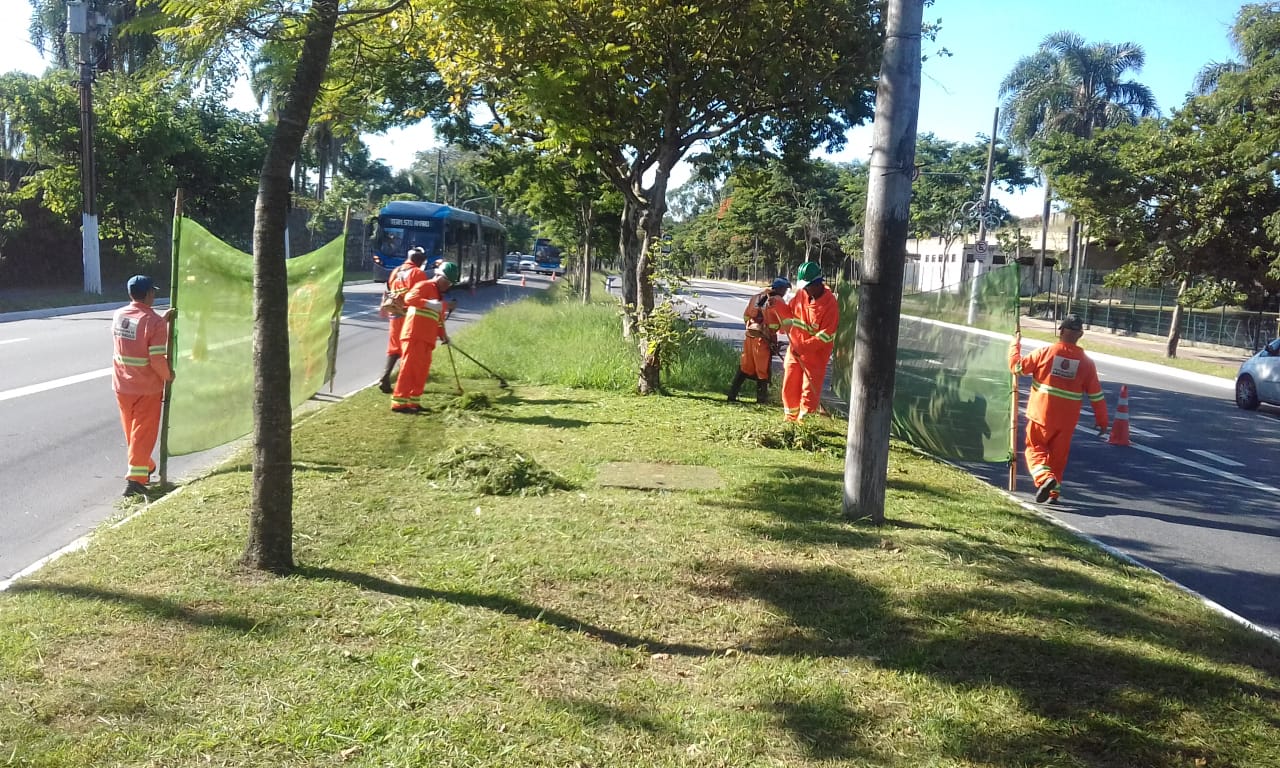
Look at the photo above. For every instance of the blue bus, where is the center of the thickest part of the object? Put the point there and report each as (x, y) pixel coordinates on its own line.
(546, 257)
(476, 243)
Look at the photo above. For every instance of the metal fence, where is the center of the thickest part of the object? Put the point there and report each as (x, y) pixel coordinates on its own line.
(1149, 311)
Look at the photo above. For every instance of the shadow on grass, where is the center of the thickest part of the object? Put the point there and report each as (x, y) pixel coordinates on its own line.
(807, 510)
(826, 728)
(298, 466)
(507, 605)
(1096, 702)
(159, 607)
(547, 421)
(594, 713)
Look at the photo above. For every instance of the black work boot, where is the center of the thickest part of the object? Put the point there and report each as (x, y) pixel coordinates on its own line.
(762, 390)
(736, 386)
(384, 383)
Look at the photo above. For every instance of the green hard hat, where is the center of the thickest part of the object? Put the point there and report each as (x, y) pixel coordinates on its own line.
(449, 270)
(808, 272)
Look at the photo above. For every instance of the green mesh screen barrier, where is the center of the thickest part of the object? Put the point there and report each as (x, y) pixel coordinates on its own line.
(211, 401)
(953, 393)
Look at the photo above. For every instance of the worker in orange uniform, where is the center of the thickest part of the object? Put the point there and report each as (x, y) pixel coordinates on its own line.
(423, 326)
(138, 375)
(402, 278)
(763, 322)
(810, 318)
(1062, 377)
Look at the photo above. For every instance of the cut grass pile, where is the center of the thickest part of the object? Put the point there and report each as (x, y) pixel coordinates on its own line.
(433, 624)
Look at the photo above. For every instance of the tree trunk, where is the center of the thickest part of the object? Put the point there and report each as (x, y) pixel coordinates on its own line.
(650, 381)
(628, 256)
(588, 222)
(270, 545)
(1044, 236)
(880, 292)
(1175, 325)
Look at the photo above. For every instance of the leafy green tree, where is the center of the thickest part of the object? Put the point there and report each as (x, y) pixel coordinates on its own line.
(152, 138)
(1073, 87)
(636, 85)
(1186, 200)
(952, 175)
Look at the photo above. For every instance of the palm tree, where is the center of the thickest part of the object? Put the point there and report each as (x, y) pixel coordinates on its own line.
(1256, 37)
(1070, 86)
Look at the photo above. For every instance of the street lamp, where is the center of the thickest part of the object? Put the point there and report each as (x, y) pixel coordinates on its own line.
(86, 25)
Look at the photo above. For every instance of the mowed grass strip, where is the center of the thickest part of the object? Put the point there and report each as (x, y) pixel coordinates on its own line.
(750, 625)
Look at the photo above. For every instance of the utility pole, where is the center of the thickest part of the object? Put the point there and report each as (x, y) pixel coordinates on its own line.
(980, 249)
(439, 170)
(893, 156)
(87, 25)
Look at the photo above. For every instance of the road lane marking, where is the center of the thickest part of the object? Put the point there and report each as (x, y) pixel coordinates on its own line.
(1196, 465)
(1215, 457)
(12, 341)
(65, 381)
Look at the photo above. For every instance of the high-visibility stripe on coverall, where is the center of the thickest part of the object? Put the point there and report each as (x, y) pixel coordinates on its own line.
(763, 324)
(423, 326)
(402, 279)
(140, 368)
(1062, 377)
(811, 327)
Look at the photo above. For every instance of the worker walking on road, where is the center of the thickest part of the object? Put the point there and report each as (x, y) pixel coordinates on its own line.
(763, 321)
(402, 278)
(423, 326)
(138, 375)
(811, 318)
(1062, 377)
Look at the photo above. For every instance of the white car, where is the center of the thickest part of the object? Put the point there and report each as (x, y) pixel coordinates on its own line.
(1258, 380)
(527, 264)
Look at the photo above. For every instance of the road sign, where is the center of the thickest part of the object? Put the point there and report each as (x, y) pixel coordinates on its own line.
(980, 248)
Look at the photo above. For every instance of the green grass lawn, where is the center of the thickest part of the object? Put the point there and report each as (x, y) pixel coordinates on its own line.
(569, 623)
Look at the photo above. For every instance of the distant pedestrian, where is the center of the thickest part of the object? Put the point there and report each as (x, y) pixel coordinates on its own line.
(811, 318)
(138, 375)
(401, 279)
(761, 341)
(423, 327)
(1062, 377)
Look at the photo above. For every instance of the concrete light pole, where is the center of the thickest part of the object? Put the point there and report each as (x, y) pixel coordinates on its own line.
(87, 25)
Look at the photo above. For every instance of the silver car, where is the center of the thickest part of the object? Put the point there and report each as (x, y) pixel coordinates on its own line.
(1258, 380)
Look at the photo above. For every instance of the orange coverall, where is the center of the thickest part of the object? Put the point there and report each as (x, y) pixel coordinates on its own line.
(762, 334)
(423, 326)
(1062, 377)
(139, 371)
(811, 325)
(402, 279)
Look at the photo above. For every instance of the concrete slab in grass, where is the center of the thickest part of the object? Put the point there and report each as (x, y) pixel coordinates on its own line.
(658, 477)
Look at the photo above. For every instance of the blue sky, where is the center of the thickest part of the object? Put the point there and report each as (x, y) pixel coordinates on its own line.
(959, 92)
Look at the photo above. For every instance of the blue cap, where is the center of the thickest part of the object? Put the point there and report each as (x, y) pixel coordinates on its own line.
(780, 284)
(139, 285)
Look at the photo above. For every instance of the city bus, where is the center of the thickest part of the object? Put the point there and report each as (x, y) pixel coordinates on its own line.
(476, 243)
(546, 257)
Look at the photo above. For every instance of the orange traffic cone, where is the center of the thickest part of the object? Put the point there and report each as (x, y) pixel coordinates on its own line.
(522, 283)
(553, 277)
(1120, 427)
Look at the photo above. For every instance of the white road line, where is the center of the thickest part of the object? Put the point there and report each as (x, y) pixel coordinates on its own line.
(12, 341)
(1196, 465)
(1139, 432)
(65, 381)
(1211, 456)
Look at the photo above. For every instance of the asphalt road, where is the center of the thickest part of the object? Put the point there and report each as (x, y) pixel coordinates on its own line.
(62, 453)
(1195, 497)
